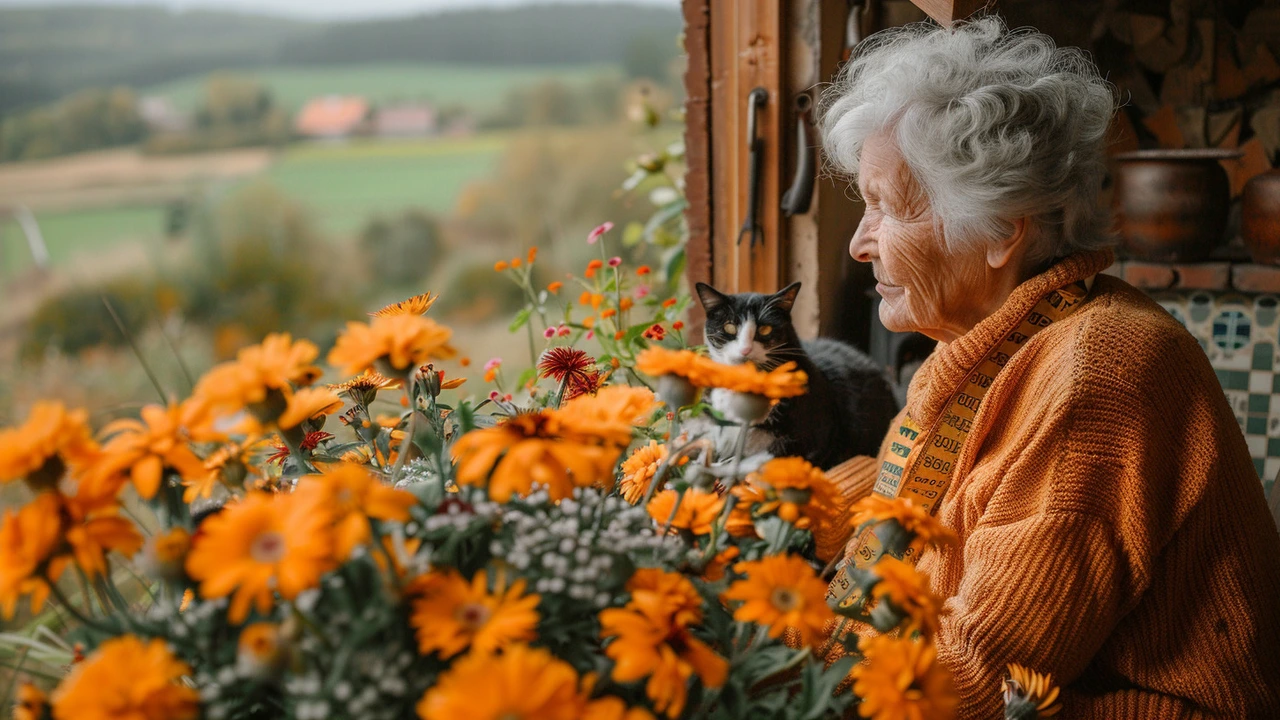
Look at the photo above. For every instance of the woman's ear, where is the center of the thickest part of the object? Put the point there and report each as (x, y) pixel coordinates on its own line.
(1012, 248)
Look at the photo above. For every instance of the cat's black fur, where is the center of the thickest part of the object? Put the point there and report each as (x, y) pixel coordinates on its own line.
(850, 402)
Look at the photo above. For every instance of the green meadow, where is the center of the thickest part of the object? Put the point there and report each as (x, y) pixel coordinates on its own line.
(480, 89)
(342, 186)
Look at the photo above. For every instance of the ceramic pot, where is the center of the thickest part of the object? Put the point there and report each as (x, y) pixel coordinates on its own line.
(1171, 205)
(1260, 217)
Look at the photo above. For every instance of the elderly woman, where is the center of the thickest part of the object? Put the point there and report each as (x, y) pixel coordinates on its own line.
(1112, 528)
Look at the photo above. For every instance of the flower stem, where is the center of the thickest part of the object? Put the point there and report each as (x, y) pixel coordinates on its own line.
(408, 436)
(74, 611)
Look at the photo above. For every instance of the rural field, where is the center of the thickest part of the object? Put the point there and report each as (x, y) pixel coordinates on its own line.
(89, 204)
(479, 89)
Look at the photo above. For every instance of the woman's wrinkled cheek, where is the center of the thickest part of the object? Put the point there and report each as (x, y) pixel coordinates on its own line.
(913, 262)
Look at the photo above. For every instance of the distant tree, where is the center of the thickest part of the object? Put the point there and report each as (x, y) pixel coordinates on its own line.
(233, 101)
(649, 55)
(88, 120)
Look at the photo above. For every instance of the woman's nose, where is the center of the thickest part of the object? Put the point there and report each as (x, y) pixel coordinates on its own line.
(863, 244)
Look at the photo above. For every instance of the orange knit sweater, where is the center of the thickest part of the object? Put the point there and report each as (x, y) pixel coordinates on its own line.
(1112, 527)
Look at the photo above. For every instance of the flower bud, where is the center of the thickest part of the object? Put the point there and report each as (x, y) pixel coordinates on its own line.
(676, 391)
(263, 651)
(747, 408)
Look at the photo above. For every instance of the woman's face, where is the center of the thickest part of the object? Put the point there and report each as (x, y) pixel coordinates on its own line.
(925, 287)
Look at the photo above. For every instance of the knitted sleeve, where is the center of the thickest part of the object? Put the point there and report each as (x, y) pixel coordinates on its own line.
(1041, 592)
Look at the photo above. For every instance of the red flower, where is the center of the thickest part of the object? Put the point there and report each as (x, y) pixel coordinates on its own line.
(565, 364)
(655, 332)
(309, 443)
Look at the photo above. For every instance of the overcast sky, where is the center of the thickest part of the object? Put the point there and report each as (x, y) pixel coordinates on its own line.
(324, 9)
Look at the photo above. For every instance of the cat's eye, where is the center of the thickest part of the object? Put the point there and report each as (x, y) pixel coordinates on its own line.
(731, 328)
(765, 330)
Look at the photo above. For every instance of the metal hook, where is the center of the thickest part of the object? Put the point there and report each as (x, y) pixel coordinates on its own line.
(796, 200)
(755, 146)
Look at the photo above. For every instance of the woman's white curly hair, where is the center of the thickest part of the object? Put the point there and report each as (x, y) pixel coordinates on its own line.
(995, 124)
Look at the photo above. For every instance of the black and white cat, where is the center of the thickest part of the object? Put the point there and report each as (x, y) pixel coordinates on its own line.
(850, 402)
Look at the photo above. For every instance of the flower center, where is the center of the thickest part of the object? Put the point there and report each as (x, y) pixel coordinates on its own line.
(785, 599)
(472, 615)
(267, 548)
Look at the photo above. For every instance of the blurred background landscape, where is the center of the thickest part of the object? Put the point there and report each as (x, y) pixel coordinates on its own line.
(218, 175)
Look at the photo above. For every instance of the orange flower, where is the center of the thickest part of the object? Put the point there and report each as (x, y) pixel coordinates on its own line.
(596, 300)
(42, 447)
(128, 678)
(277, 364)
(28, 537)
(613, 708)
(796, 491)
(669, 302)
(784, 381)
(522, 682)
(619, 335)
(625, 303)
(901, 678)
(261, 651)
(500, 266)
(164, 554)
(464, 361)
(589, 322)
(363, 388)
(454, 615)
(907, 590)
(1031, 691)
(677, 325)
(667, 594)
(261, 542)
(924, 528)
(554, 287)
(639, 469)
(533, 254)
(648, 643)
(144, 449)
(595, 264)
(398, 341)
(306, 404)
(416, 305)
(643, 270)
(715, 569)
(608, 313)
(515, 262)
(780, 592)
(608, 416)
(696, 513)
(31, 703)
(93, 529)
(657, 361)
(353, 495)
(584, 298)
(528, 449)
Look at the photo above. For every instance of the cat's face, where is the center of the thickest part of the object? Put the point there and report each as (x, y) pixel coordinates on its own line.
(749, 326)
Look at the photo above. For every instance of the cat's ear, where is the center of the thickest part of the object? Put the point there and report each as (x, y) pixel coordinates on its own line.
(786, 297)
(711, 298)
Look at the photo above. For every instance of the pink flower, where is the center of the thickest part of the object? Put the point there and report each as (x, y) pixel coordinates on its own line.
(493, 364)
(591, 334)
(549, 333)
(641, 292)
(615, 261)
(598, 232)
(564, 331)
(495, 395)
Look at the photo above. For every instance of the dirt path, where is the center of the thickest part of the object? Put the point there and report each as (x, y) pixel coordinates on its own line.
(114, 177)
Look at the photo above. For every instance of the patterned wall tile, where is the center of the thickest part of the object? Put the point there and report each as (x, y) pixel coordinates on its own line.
(1241, 336)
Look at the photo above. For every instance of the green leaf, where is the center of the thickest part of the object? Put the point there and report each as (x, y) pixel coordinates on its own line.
(521, 318)
(665, 214)
(466, 418)
(673, 265)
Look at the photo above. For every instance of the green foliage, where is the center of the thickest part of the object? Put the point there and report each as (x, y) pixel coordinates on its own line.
(77, 320)
(261, 266)
(404, 248)
(235, 112)
(88, 120)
